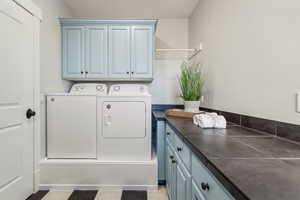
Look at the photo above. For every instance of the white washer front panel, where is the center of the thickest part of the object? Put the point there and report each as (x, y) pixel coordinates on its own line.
(124, 119)
(71, 127)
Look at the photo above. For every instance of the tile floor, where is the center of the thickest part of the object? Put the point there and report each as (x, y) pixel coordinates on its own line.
(160, 194)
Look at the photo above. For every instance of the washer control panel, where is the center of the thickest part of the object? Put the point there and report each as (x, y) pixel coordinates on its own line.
(89, 88)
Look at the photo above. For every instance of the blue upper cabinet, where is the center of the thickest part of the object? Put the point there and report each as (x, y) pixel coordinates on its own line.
(142, 51)
(108, 50)
(96, 59)
(119, 52)
(73, 52)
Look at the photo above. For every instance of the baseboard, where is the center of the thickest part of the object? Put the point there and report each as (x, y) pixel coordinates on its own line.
(96, 187)
(94, 173)
(161, 182)
(36, 180)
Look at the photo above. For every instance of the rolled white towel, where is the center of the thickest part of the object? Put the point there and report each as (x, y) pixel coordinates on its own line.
(196, 120)
(214, 117)
(206, 121)
(220, 122)
(210, 120)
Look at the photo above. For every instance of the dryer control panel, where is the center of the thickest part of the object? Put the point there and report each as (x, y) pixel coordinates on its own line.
(129, 90)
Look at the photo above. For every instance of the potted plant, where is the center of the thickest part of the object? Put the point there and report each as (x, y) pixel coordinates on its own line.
(191, 84)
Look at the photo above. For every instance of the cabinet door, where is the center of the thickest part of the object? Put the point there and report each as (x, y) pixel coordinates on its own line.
(96, 52)
(161, 155)
(142, 51)
(183, 183)
(173, 180)
(119, 52)
(171, 174)
(73, 52)
(168, 169)
(196, 193)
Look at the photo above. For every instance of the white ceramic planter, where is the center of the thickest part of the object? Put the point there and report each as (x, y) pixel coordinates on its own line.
(191, 106)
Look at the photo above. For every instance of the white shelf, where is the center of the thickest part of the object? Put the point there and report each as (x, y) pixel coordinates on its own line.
(173, 50)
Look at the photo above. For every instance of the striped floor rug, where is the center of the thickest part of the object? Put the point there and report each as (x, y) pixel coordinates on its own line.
(159, 194)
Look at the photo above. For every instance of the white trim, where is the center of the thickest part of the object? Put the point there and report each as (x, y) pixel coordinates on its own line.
(195, 51)
(95, 173)
(95, 162)
(170, 50)
(37, 120)
(30, 7)
(36, 180)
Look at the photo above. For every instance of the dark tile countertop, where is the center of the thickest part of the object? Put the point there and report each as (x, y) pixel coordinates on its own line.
(250, 164)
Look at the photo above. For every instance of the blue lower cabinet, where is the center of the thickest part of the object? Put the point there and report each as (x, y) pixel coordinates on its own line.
(186, 176)
(183, 151)
(170, 173)
(178, 178)
(207, 183)
(183, 182)
(160, 148)
(196, 193)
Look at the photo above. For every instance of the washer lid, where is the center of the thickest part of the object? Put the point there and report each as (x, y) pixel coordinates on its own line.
(89, 88)
(129, 90)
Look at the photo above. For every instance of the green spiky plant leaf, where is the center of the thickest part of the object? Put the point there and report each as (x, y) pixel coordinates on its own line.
(191, 82)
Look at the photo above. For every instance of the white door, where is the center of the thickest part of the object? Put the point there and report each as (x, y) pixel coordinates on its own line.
(16, 97)
(124, 119)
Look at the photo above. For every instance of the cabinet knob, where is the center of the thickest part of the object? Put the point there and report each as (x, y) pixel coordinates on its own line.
(174, 161)
(132, 72)
(168, 133)
(179, 149)
(86, 72)
(81, 72)
(171, 157)
(127, 72)
(204, 186)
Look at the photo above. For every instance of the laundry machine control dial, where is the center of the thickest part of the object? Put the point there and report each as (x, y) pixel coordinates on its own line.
(99, 88)
(117, 88)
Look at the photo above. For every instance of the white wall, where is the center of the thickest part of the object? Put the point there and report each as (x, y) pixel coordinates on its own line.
(251, 55)
(171, 33)
(50, 45)
(51, 53)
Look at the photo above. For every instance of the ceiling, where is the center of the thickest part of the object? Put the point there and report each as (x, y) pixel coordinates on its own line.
(132, 8)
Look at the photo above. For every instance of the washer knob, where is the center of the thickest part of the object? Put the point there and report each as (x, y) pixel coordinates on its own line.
(99, 88)
(117, 88)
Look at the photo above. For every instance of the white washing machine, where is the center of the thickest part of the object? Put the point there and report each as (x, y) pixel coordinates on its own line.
(71, 122)
(124, 123)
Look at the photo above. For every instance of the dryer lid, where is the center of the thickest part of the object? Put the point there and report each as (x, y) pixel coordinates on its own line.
(129, 90)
